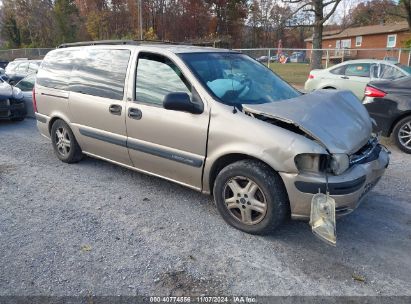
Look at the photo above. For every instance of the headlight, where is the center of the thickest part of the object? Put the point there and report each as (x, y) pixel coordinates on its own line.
(339, 163)
(311, 162)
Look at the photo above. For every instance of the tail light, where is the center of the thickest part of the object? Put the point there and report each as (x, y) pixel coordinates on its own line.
(373, 92)
(311, 76)
(34, 100)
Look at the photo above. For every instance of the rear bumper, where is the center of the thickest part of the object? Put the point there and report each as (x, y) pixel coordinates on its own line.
(10, 109)
(348, 189)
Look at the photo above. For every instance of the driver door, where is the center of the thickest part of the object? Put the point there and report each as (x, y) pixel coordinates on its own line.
(166, 143)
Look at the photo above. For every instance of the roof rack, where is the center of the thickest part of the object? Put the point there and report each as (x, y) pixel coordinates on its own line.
(117, 42)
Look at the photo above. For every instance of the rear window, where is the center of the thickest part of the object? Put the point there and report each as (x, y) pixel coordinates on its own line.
(339, 70)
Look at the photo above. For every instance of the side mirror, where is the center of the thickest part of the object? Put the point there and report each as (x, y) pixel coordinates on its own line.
(179, 101)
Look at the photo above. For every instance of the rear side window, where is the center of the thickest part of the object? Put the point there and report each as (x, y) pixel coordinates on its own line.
(359, 70)
(390, 72)
(100, 72)
(338, 71)
(55, 70)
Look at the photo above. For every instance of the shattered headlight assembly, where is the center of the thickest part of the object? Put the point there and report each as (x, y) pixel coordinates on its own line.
(339, 163)
(309, 162)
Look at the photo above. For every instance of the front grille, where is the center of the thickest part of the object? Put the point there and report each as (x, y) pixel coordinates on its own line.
(369, 152)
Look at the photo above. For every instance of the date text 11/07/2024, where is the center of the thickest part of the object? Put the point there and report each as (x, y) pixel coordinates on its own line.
(203, 299)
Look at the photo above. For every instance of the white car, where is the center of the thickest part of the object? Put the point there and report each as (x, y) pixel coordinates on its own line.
(354, 75)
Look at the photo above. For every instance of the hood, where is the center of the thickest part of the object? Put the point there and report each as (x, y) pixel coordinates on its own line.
(337, 119)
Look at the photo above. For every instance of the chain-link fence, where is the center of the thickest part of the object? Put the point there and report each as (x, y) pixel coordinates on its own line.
(9, 55)
(294, 64)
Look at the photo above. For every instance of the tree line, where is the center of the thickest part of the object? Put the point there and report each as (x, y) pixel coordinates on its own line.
(226, 23)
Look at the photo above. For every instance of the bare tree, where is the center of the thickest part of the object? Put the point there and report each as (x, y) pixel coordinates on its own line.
(319, 11)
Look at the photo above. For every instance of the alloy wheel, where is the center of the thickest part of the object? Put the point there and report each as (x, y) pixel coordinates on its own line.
(404, 135)
(245, 200)
(63, 142)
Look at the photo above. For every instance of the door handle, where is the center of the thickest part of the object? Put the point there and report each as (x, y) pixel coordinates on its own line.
(345, 77)
(135, 113)
(115, 109)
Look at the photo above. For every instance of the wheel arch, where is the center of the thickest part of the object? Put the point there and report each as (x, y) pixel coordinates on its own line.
(53, 120)
(397, 120)
(329, 87)
(227, 159)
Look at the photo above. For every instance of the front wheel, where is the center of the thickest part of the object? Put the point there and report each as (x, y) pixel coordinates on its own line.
(64, 143)
(402, 134)
(251, 197)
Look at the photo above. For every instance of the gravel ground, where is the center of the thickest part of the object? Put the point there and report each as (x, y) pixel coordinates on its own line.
(96, 228)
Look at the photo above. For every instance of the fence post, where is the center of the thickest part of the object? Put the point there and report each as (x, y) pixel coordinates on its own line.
(409, 57)
(399, 55)
(268, 59)
(327, 58)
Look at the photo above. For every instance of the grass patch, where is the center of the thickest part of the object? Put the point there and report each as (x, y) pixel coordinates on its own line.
(294, 73)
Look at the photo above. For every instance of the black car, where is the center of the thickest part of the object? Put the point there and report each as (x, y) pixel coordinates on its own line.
(389, 104)
(11, 108)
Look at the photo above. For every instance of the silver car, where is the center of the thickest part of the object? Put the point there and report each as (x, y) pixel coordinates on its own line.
(216, 121)
(354, 75)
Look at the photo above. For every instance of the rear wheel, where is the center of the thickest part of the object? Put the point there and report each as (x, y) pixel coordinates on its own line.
(251, 197)
(402, 134)
(64, 143)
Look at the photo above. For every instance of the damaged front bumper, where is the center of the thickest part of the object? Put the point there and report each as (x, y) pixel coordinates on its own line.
(346, 190)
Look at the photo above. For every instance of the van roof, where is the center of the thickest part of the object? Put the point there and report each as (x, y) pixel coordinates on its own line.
(172, 47)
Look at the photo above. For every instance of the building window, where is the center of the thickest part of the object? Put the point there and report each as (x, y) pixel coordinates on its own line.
(358, 41)
(346, 44)
(338, 44)
(391, 41)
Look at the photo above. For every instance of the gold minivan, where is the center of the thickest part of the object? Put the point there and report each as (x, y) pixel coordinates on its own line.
(216, 121)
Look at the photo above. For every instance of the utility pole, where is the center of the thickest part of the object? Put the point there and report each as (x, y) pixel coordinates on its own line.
(140, 17)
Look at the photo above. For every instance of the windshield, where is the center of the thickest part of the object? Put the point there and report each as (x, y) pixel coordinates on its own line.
(236, 79)
(404, 67)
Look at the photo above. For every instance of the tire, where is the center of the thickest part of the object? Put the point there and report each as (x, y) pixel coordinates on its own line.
(64, 143)
(258, 213)
(402, 134)
(17, 118)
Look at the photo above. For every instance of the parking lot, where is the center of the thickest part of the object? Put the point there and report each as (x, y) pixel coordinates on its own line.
(94, 228)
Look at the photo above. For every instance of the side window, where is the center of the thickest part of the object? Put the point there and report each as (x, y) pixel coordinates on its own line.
(390, 72)
(359, 70)
(100, 72)
(26, 84)
(55, 70)
(156, 77)
(338, 71)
